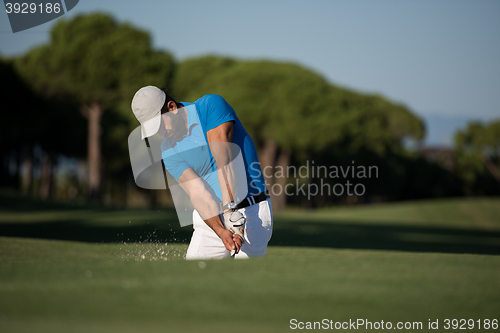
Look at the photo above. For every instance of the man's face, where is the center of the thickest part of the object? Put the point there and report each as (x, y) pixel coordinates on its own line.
(174, 124)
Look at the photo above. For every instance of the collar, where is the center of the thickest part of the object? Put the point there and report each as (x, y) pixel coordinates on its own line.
(192, 116)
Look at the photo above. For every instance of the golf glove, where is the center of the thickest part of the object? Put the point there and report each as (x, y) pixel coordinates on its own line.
(234, 221)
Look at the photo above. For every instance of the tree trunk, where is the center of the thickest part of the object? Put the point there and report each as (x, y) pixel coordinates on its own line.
(17, 168)
(267, 159)
(27, 170)
(279, 199)
(94, 114)
(46, 177)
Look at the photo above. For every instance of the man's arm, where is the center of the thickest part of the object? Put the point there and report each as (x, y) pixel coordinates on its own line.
(219, 141)
(207, 208)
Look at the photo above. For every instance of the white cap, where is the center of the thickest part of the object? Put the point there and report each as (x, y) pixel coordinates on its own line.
(146, 105)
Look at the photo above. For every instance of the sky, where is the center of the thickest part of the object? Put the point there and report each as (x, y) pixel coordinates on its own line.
(439, 58)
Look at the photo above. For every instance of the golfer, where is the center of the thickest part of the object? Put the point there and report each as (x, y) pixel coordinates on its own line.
(198, 150)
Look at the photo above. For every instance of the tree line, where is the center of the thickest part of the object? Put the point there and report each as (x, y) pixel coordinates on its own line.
(71, 98)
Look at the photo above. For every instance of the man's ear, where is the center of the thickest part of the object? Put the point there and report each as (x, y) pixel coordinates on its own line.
(172, 107)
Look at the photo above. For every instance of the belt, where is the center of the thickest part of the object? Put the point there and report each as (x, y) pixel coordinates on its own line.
(252, 200)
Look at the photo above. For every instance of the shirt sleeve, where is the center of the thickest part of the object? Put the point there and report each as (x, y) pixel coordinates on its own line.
(218, 112)
(174, 165)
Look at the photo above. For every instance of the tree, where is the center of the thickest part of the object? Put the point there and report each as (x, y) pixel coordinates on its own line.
(99, 63)
(292, 112)
(483, 141)
(273, 100)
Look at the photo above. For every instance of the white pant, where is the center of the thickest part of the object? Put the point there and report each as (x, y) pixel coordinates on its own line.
(205, 244)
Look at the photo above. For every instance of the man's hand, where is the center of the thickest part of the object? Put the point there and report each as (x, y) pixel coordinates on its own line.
(231, 241)
(234, 221)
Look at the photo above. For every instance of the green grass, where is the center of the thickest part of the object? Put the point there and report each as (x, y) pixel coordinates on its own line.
(477, 213)
(393, 262)
(56, 286)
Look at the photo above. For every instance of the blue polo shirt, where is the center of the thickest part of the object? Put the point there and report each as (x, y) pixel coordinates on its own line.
(192, 151)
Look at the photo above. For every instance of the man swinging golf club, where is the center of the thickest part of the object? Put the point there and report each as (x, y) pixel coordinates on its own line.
(201, 141)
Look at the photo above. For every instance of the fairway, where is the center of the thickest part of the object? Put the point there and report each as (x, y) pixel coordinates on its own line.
(54, 286)
(352, 159)
(79, 283)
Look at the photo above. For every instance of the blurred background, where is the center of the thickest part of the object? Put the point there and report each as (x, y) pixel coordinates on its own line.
(411, 88)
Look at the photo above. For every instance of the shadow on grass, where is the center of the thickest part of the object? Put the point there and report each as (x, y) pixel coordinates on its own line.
(71, 225)
(297, 233)
(84, 232)
(335, 234)
(357, 235)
